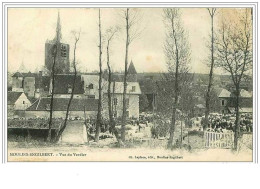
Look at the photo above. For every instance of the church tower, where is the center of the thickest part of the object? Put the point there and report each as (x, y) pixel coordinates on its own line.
(131, 73)
(62, 64)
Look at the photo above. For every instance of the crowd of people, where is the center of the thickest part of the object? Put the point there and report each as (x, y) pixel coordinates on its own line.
(226, 123)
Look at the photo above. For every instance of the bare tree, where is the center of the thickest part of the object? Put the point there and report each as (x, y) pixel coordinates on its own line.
(110, 35)
(77, 36)
(131, 18)
(99, 114)
(54, 52)
(234, 53)
(177, 55)
(212, 12)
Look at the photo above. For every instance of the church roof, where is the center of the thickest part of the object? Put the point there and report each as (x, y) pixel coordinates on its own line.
(131, 68)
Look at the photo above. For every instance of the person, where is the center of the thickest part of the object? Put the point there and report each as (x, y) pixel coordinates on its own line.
(139, 126)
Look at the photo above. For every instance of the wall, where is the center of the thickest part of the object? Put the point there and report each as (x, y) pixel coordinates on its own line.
(29, 86)
(17, 84)
(133, 105)
(22, 103)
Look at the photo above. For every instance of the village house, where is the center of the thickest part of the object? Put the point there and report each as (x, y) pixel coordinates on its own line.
(16, 101)
(227, 101)
(32, 84)
(90, 81)
(132, 99)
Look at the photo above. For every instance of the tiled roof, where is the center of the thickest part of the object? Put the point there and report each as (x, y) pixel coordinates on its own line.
(62, 81)
(29, 74)
(60, 104)
(12, 97)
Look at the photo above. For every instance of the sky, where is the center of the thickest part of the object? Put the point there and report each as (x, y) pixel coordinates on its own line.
(29, 28)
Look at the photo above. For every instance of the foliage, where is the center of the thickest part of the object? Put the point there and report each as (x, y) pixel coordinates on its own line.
(143, 102)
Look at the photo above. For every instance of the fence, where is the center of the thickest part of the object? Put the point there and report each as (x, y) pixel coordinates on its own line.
(218, 140)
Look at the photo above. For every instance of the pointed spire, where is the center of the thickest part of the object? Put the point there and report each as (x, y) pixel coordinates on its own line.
(22, 68)
(131, 68)
(58, 29)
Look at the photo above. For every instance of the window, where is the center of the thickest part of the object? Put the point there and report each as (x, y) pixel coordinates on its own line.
(223, 102)
(63, 51)
(115, 101)
(91, 96)
(133, 88)
(23, 102)
(90, 86)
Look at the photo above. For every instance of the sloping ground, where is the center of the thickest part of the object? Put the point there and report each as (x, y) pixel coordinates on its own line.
(75, 132)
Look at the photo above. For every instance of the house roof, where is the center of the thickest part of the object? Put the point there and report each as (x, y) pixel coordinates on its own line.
(241, 110)
(245, 94)
(90, 78)
(60, 104)
(224, 94)
(20, 74)
(63, 81)
(12, 97)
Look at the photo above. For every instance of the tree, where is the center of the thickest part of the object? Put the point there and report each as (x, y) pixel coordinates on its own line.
(177, 55)
(110, 34)
(234, 52)
(212, 12)
(54, 52)
(99, 114)
(73, 88)
(131, 19)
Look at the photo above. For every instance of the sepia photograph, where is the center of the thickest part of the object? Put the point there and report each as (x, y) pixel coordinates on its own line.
(113, 84)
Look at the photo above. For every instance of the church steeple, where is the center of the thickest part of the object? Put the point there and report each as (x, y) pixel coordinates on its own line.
(131, 72)
(131, 68)
(58, 29)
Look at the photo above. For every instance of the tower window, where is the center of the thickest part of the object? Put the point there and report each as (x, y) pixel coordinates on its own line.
(91, 86)
(115, 101)
(63, 51)
(133, 88)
